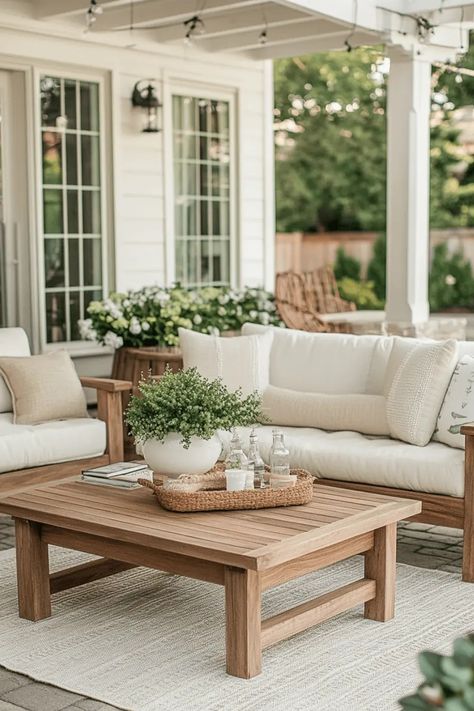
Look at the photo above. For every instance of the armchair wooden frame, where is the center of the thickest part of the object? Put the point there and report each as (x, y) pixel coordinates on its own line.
(437, 509)
(109, 407)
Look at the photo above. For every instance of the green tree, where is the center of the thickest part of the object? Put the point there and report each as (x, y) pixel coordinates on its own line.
(377, 268)
(331, 144)
(346, 266)
(451, 280)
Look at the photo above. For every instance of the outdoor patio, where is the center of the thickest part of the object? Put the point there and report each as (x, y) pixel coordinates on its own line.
(236, 355)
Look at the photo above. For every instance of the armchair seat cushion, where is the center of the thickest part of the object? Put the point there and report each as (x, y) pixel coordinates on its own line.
(24, 446)
(351, 456)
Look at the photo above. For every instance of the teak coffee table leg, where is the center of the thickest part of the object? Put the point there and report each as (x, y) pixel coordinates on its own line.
(243, 622)
(32, 569)
(380, 565)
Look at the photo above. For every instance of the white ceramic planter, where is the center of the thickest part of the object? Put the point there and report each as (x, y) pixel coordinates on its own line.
(171, 459)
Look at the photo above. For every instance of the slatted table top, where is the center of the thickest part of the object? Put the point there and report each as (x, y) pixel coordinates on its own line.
(255, 540)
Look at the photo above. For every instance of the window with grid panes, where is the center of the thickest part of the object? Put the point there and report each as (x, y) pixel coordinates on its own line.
(72, 220)
(202, 190)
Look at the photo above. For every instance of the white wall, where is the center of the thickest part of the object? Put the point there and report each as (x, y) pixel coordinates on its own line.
(139, 165)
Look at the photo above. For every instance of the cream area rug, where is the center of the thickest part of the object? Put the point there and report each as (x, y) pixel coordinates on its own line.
(147, 641)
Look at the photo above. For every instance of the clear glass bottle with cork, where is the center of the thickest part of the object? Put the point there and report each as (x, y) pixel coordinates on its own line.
(237, 459)
(279, 460)
(255, 462)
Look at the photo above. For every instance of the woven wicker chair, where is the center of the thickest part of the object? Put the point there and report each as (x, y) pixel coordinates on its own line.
(295, 309)
(323, 295)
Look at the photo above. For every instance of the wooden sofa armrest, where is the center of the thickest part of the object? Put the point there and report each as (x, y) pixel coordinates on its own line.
(110, 411)
(468, 552)
(106, 384)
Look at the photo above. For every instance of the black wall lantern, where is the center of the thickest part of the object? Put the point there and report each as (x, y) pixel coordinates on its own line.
(144, 97)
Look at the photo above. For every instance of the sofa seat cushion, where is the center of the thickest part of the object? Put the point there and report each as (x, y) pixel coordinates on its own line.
(350, 456)
(24, 446)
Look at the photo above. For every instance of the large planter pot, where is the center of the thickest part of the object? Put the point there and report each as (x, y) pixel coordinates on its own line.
(171, 459)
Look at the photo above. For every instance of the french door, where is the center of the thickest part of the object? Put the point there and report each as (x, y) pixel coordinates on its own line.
(15, 282)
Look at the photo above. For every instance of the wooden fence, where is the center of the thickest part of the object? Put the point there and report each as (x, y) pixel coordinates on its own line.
(300, 251)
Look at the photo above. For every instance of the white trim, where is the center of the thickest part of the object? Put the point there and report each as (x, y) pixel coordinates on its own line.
(178, 86)
(269, 230)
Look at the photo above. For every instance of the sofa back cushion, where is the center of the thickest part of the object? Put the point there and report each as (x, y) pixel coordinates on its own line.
(458, 405)
(13, 342)
(331, 363)
(418, 388)
(356, 413)
(241, 362)
(44, 388)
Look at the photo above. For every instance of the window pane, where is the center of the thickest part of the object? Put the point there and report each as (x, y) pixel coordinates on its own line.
(203, 148)
(190, 147)
(50, 91)
(214, 118)
(54, 262)
(92, 256)
(216, 216)
(52, 167)
(74, 262)
(70, 103)
(190, 217)
(90, 160)
(225, 219)
(89, 106)
(53, 211)
(192, 262)
(55, 318)
(204, 206)
(179, 256)
(74, 314)
(215, 181)
(203, 178)
(203, 114)
(72, 212)
(177, 113)
(90, 212)
(220, 261)
(206, 275)
(191, 179)
(223, 116)
(189, 113)
(71, 158)
(92, 295)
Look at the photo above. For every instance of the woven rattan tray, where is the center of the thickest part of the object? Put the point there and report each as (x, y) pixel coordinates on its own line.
(183, 501)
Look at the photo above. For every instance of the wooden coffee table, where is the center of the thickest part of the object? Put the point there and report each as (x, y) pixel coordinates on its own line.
(247, 552)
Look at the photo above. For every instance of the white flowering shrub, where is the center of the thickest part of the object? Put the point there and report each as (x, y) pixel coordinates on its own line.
(152, 315)
(188, 403)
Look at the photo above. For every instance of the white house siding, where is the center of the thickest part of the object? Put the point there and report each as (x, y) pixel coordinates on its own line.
(139, 167)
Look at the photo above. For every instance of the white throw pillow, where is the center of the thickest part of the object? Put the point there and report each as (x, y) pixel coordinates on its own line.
(354, 412)
(458, 405)
(417, 391)
(241, 361)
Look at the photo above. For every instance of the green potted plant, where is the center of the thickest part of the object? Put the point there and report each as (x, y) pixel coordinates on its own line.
(449, 680)
(175, 420)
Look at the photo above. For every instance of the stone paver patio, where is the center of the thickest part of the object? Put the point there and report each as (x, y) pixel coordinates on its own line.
(421, 545)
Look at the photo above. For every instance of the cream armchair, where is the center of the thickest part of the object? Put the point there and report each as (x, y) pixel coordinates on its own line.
(51, 450)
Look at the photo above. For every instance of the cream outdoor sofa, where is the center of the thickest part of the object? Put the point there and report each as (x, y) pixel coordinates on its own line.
(32, 454)
(442, 477)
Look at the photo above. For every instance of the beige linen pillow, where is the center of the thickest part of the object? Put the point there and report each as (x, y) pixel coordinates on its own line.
(417, 391)
(241, 362)
(355, 412)
(458, 405)
(43, 388)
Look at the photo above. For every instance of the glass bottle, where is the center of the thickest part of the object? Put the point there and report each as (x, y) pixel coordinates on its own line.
(279, 456)
(236, 457)
(256, 462)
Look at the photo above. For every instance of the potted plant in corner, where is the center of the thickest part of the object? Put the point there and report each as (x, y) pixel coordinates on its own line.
(175, 420)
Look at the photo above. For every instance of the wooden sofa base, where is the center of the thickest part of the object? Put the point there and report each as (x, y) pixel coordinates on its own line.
(437, 509)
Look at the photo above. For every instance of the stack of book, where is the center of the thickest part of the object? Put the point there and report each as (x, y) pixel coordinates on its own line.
(123, 475)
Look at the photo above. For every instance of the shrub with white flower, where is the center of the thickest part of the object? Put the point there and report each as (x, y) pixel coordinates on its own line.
(151, 316)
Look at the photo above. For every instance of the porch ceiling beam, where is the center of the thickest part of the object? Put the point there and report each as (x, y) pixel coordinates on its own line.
(278, 34)
(345, 11)
(417, 6)
(312, 45)
(228, 23)
(44, 9)
(165, 12)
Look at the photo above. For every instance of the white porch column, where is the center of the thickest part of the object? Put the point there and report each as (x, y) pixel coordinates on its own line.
(408, 146)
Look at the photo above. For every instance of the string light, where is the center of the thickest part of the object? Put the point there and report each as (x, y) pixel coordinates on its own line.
(347, 41)
(262, 38)
(194, 26)
(92, 12)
